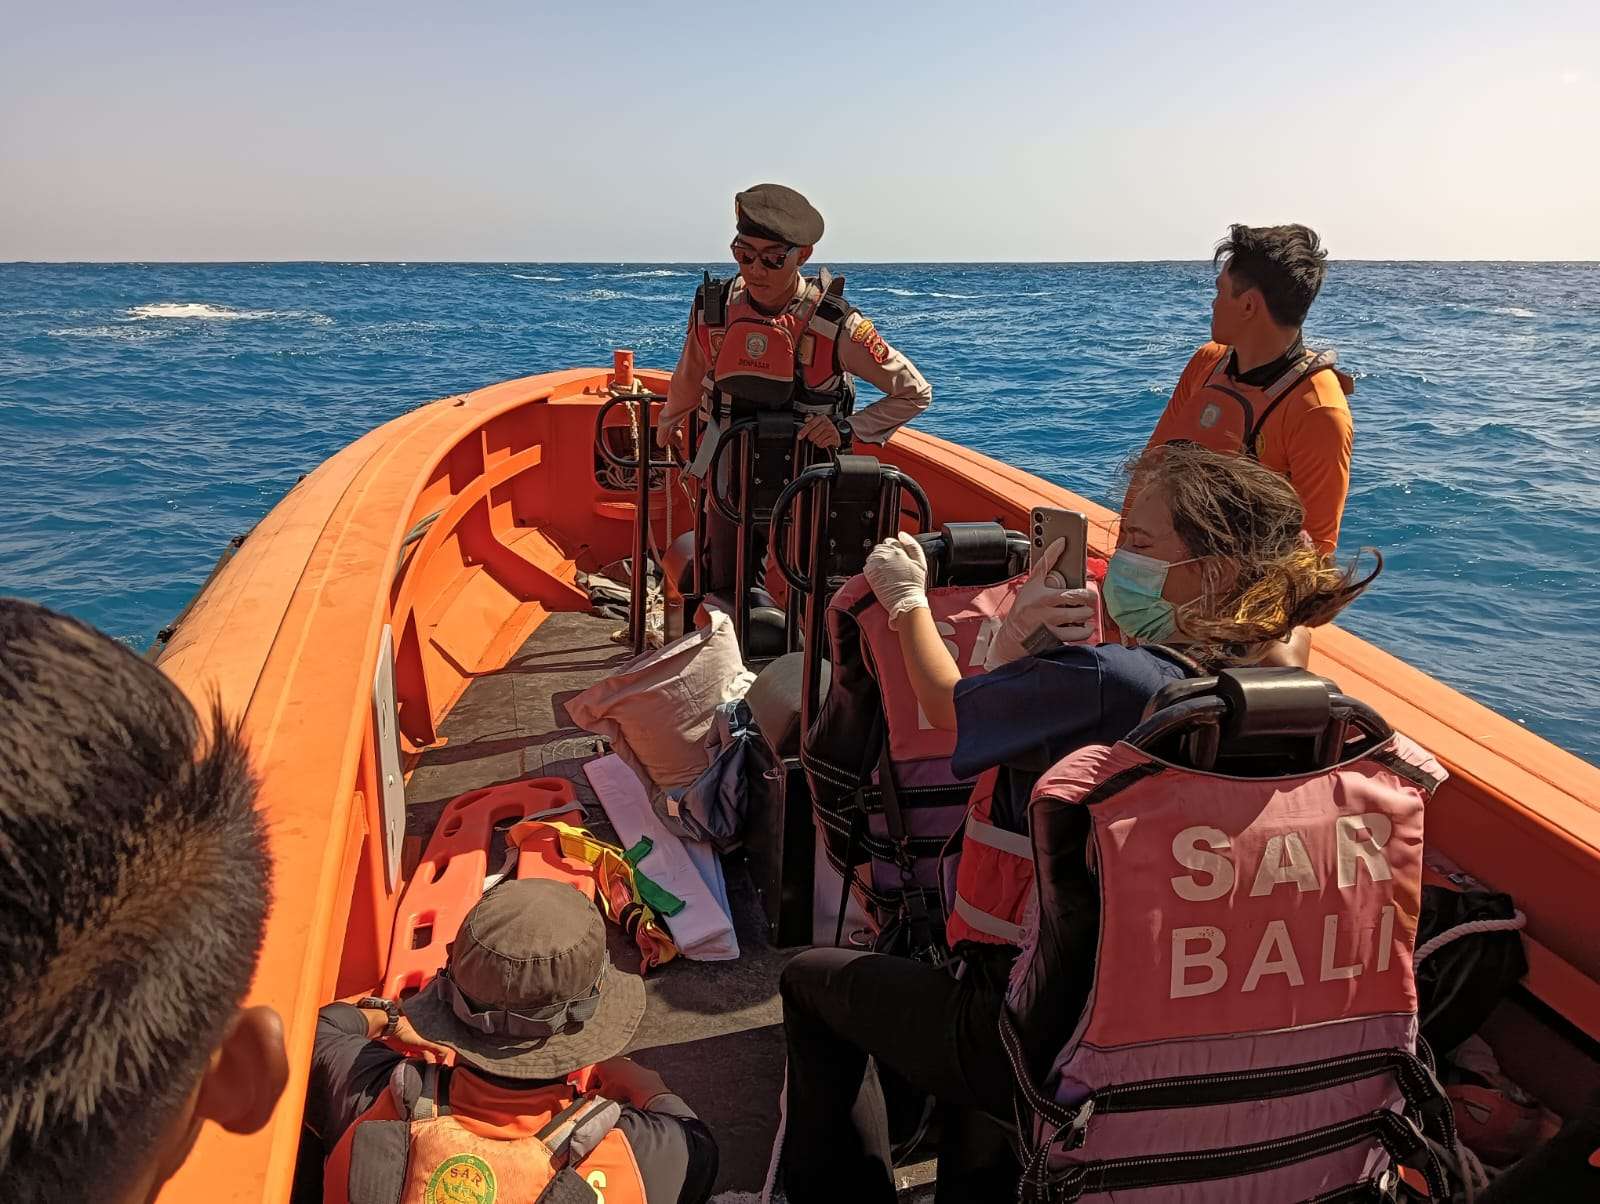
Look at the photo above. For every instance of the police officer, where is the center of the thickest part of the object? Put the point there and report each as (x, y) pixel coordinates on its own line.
(775, 338)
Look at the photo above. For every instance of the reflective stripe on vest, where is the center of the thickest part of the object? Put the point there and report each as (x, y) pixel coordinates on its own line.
(1280, 915)
(977, 921)
(1014, 843)
(994, 876)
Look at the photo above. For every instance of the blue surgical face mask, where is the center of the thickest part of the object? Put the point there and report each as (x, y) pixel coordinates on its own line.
(1132, 594)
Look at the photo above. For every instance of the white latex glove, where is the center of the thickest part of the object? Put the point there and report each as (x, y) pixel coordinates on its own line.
(1044, 615)
(898, 573)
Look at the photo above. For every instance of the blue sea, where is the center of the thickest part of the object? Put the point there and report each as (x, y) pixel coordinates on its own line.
(150, 412)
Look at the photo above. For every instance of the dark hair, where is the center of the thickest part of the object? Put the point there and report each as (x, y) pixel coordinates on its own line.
(134, 882)
(1261, 576)
(1287, 263)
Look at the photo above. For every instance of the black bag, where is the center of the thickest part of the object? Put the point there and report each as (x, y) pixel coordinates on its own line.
(744, 775)
(1461, 982)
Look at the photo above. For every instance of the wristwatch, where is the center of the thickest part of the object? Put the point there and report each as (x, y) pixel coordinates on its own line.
(387, 1006)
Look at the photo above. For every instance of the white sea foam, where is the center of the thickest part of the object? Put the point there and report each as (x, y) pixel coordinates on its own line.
(644, 275)
(1513, 311)
(195, 309)
(201, 311)
(910, 292)
(541, 279)
(611, 294)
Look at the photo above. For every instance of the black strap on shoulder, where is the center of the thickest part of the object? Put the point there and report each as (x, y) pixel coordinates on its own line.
(568, 1187)
(379, 1151)
(1313, 363)
(833, 307)
(712, 300)
(923, 945)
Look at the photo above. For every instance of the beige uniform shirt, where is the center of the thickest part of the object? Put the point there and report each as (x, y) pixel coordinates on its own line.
(863, 353)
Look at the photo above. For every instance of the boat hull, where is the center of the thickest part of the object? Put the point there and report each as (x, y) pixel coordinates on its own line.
(450, 533)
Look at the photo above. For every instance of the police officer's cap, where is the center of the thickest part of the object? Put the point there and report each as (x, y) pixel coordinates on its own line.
(777, 214)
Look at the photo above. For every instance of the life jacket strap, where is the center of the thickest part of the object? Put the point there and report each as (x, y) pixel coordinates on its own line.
(577, 1130)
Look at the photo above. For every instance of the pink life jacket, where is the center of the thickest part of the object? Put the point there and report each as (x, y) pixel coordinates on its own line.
(779, 360)
(1251, 1030)
(869, 676)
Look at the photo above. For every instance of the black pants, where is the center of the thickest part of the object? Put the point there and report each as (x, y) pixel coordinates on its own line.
(722, 539)
(940, 1034)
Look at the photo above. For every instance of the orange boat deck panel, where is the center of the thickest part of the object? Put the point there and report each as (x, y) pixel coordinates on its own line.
(288, 633)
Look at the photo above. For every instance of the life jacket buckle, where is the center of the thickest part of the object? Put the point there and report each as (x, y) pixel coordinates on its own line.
(1078, 1130)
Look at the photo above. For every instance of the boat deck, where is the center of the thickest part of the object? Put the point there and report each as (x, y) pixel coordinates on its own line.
(713, 1030)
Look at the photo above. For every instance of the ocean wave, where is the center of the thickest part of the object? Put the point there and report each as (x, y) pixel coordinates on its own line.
(201, 311)
(642, 275)
(541, 279)
(907, 292)
(611, 294)
(127, 332)
(1513, 311)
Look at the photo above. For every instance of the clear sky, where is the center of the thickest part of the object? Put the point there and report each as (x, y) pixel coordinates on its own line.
(957, 131)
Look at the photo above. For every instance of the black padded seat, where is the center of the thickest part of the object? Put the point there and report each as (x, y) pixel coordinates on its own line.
(766, 636)
(775, 701)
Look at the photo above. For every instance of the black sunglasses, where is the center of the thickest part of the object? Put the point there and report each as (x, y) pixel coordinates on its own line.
(745, 255)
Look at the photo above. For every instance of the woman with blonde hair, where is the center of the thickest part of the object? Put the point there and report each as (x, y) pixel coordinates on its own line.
(1212, 569)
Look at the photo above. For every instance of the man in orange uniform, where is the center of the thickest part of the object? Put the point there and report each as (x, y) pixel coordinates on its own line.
(532, 1013)
(1256, 388)
(776, 338)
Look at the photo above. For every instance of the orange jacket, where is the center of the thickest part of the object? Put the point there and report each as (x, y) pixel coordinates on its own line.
(1307, 436)
(501, 1114)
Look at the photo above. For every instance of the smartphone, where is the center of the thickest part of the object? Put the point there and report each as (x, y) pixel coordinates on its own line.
(1048, 525)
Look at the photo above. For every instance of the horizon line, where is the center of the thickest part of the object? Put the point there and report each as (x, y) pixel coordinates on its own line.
(703, 262)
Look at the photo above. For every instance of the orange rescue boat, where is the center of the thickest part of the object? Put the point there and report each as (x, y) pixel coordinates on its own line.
(433, 553)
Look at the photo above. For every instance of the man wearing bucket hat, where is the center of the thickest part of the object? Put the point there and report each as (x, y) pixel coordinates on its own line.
(532, 1014)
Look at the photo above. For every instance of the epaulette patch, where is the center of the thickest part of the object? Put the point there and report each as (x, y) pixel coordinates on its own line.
(867, 335)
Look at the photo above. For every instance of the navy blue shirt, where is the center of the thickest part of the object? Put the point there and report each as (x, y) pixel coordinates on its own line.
(1025, 716)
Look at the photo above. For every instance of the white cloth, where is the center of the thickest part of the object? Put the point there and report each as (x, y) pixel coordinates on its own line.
(703, 930)
(657, 709)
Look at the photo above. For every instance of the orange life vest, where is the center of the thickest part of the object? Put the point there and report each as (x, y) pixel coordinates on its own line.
(1228, 415)
(410, 1148)
(994, 870)
(994, 876)
(775, 360)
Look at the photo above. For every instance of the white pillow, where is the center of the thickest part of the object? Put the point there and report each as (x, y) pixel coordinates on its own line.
(657, 708)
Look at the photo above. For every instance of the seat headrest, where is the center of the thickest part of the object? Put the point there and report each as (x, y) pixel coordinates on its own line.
(973, 553)
(1257, 722)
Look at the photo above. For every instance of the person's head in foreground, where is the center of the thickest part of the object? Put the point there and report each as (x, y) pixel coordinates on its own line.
(1212, 557)
(1267, 278)
(777, 231)
(133, 897)
(528, 992)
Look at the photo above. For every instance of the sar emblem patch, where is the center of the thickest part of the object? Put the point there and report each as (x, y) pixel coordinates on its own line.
(1209, 416)
(461, 1179)
(871, 341)
(755, 345)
